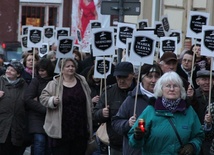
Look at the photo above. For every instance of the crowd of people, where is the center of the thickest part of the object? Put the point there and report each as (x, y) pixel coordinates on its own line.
(54, 113)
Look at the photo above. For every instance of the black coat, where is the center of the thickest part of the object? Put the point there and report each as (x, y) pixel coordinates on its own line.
(182, 74)
(36, 111)
(12, 111)
(115, 97)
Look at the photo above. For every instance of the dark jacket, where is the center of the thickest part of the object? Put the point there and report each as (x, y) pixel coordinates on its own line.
(202, 102)
(183, 74)
(12, 111)
(115, 97)
(120, 122)
(27, 77)
(36, 111)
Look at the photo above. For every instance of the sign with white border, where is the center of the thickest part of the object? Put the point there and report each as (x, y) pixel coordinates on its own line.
(103, 41)
(24, 43)
(178, 34)
(65, 47)
(44, 49)
(49, 34)
(124, 31)
(99, 70)
(207, 42)
(35, 37)
(143, 47)
(168, 44)
(195, 22)
(165, 24)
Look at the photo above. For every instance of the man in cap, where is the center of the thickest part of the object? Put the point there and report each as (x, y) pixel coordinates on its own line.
(202, 93)
(125, 118)
(202, 96)
(168, 62)
(116, 94)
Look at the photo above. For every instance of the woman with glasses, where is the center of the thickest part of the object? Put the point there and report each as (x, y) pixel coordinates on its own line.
(171, 126)
(125, 118)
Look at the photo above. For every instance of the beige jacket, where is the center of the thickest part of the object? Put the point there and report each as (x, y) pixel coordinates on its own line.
(53, 119)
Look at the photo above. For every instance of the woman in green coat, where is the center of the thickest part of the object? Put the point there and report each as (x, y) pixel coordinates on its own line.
(159, 136)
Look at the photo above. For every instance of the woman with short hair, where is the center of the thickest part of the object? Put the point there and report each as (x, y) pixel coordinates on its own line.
(171, 126)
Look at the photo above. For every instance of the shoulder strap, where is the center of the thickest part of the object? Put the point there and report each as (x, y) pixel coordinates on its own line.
(176, 132)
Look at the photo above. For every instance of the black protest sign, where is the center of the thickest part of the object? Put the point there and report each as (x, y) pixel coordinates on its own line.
(168, 45)
(79, 35)
(62, 32)
(44, 49)
(95, 24)
(176, 34)
(159, 30)
(129, 49)
(35, 35)
(125, 32)
(24, 41)
(143, 24)
(48, 32)
(165, 23)
(65, 46)
(209, 39)
(103, 40)
(196, 23)
(100, 66)
(143, 46)
(25, 30)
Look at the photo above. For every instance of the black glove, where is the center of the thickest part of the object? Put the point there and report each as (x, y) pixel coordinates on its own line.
(138, 133)
(187, 149)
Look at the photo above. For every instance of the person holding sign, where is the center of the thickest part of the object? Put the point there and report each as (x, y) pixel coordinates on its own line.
(171, 126)
(116, 94)
(125, 117)
(184, 68)
(202, 97)
(168, 62)
(68, 120)
(200, 60)
(29, 66)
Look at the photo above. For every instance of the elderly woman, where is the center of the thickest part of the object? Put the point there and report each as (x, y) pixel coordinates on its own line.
(125, 118)
(171, 127)
(12, 110)
(68, 118)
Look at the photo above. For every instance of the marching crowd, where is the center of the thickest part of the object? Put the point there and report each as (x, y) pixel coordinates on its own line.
(54, 113)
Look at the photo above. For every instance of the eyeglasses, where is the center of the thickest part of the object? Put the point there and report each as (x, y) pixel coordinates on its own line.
(169, 86)
(186, 60)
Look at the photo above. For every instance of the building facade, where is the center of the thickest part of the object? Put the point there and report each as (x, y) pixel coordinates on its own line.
(15, 13)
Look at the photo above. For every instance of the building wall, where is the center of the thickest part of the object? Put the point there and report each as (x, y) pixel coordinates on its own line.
(177, 11)
(9, 11)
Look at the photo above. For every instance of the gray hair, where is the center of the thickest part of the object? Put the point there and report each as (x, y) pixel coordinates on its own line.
(169, 77)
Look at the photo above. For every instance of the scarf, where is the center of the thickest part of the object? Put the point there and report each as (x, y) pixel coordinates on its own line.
(28, 70)
(146, 92)
(170, 105)
(13, 82)
(173, 106)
